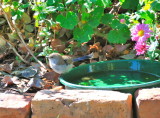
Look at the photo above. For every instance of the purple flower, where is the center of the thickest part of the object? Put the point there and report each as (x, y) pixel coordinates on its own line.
(141, 48)
(140, 32)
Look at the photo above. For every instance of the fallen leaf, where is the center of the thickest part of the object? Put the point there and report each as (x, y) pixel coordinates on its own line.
(22, 87)
(2, 21)
(107, 48)
(26, 18)
(6, 67)
(29, 72)
(121, 48)
(36, 82)
(52, 76)
(9, 80)
(58, 45)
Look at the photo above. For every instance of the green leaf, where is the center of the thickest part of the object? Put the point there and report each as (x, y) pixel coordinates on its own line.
(156, 5)
(94, 19)
(51, 9)
(117, 25)
(68, 21)
(17, 14)
(85, 16)
(104, 3)
(6, 0)
(15, 4)
(23, 6)
(50, 2)
(42, 16)
(84, 34)
(29, 28)
(60, 7)
(126, 17)
(121, 1)
(148, 16)
(70, 1)
(130, 4)
(118, 36)
(107, 19)
(26, 18)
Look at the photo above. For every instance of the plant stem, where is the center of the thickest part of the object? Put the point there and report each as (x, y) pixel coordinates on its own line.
(100, 34)
(13, 27)
(22, 40)
(14, 49)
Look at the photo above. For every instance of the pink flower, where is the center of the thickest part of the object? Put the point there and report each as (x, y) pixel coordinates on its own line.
(141, 48)
(140, 32)
(156, 37)
(122, 21)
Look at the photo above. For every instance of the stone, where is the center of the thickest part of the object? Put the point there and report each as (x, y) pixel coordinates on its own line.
(14, 106)
(81, 104)
(148, 103)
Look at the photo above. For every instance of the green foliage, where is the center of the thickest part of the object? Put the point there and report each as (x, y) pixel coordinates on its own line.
(81, 19)
(129, 4)
(119, 36)
(107, 19)
(148, 16)
(156, 5)
(68, 21)
(46, 51)
(83, 34)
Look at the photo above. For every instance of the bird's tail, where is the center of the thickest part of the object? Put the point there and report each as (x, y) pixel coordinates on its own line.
(83, 58)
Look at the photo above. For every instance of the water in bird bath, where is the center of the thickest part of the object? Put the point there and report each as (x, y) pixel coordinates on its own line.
(115, 78)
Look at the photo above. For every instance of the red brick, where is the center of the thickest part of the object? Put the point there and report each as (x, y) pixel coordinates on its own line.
(148, 103)
(14, 106)
(81, 104)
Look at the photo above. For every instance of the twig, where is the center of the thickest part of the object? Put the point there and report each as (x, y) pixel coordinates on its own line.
(14, 49)
(6, 16)
(115, 8)
(22, 40)
(14, 27)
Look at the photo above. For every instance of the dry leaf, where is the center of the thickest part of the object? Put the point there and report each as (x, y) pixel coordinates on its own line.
(108, 48)
(36, 82)
(9, 80)
(58, 45)
(6, 67)
(120, 48)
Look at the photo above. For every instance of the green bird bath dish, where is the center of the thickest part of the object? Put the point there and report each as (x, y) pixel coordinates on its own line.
(120, 75)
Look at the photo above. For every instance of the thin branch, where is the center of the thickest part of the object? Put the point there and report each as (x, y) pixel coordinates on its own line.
(22, 40)
(14, 27)
(115, 8)
(6, 16)
(14, 49)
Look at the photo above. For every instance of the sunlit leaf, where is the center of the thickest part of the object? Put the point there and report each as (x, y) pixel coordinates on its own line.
(68, 21)
(148, 16)
(107, 19)
(156, 5)
(29, 28)
(84, 34)
(104, 3)
(118, 36)
(115, 24)
(94, 19)
(26, 18)
(121, 1)
(129, 4)
(70, 1)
